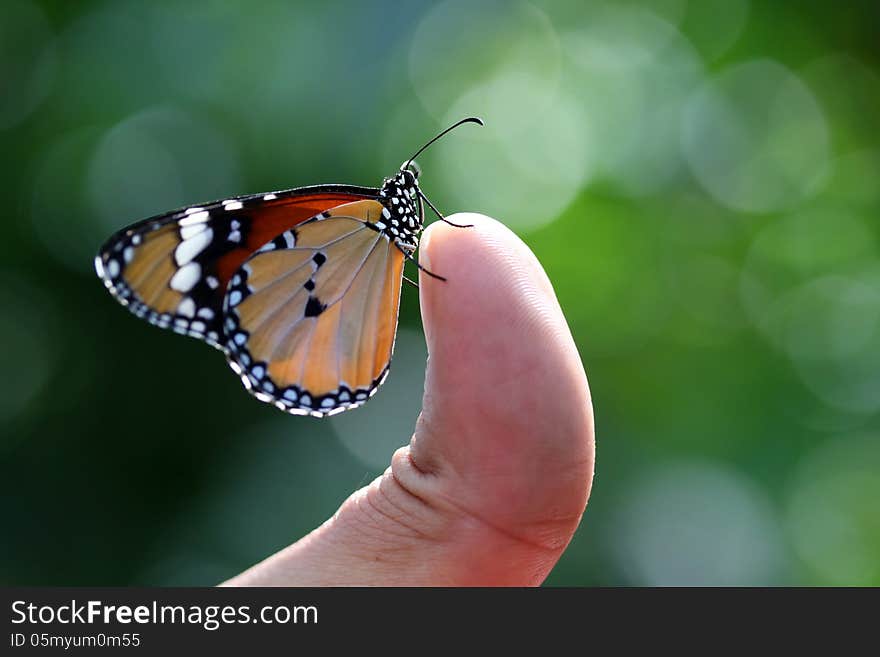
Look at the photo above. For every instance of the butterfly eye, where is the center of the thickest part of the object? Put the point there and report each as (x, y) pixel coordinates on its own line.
(409, 173)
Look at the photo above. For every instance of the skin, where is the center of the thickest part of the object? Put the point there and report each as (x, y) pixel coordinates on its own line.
(498, 471)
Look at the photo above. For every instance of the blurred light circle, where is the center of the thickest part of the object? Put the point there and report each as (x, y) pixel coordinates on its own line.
(373, 432)
(26, 328)
(532, 157)
(501, 39)
(832, 511)
(831, 317)
(849, 384)
(790, 251)
(89, 184)
(697, 524)
(28, 61)
(810, 284)
(157, 160)
(832, 334)
(619, 37)
(610, 98)
(673, 11)
(405, 128)
(715, 25)
(526, 180)
(756, 138)
(129, 172)
(633, 72)
(652, 160)
(555, 151)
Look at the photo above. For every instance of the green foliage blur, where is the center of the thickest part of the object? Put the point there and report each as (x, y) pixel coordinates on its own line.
(699, 178)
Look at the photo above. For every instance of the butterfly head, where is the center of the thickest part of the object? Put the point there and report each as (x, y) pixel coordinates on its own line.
(408, 175)
(412, 167)
(402, 216)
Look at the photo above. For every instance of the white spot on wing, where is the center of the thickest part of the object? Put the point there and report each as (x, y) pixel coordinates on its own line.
(187, 307)
(190, 248)
(186, 277)
(198, 216)
(188, 231)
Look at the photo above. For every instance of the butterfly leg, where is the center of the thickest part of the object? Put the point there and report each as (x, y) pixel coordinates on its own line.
(411, 282)
(408, 256)
(440, 215)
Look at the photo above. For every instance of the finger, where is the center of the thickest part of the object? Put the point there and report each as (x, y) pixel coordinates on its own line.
(506, 427)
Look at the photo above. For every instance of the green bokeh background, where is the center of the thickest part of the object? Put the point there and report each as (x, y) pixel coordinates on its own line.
(700, 178)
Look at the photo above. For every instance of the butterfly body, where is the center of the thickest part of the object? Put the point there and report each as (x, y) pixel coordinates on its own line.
(402, 216)
(299, 288)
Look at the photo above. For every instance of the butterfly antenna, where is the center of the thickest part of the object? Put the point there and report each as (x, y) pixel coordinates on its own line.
(470, 119)
(440, 215)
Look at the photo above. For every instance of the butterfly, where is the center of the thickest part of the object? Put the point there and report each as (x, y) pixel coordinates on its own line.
(299, 288)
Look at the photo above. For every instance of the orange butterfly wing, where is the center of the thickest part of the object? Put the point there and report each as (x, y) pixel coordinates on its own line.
(310, 319)
(173, 269)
